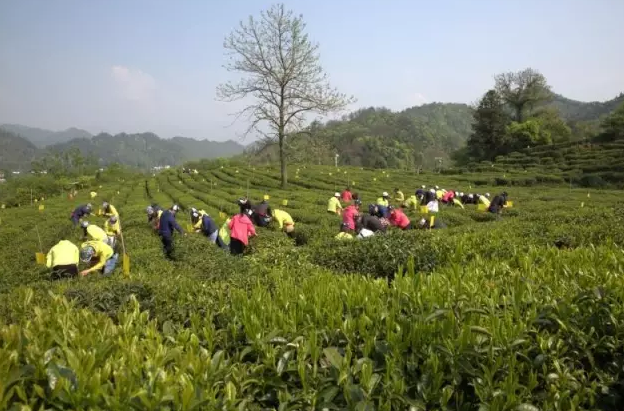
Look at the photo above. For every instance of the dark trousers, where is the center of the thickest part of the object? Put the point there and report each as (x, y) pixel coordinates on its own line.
(64, 271)
(167, 242)
(408, 227)
(237, 247)
(75, 219)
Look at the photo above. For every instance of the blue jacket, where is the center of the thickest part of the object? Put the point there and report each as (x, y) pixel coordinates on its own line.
(208, 225)
(81, 211)
(168, 223)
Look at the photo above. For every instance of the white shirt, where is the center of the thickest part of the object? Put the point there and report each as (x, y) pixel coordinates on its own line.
(365, 233)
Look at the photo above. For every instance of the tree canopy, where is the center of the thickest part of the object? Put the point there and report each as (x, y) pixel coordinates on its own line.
(281, 72)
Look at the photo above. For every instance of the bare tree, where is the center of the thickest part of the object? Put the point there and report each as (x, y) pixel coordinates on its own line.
(282, 73)
(523, 91)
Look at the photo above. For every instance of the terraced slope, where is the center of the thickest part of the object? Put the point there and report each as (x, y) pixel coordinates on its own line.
(520, 313)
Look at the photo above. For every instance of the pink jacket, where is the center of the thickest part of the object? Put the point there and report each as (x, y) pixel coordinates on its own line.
(399, 219)
(348, 216)
(241, 228)
(448, 196)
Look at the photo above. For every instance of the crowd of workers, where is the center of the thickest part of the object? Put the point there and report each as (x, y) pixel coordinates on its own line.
(99, 251)
(382, 214)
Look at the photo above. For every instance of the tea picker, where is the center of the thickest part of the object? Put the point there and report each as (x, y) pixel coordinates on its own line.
(80, 212)
(167, 226)
(63, 259)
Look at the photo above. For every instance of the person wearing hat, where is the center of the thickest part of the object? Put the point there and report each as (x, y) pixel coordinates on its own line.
(154, 212)
(431, 201)
(384, 199)
(99, 256)
(262, 213)
(498, 203)
(284, 221)
(166, 228)
(350, 214)
(112, 229)
(333, 205)
(80, 212)
(63, 259)
(93, 232)
(109, 210)
(344, 233)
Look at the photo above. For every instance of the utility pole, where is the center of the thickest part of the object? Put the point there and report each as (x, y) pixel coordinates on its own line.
(336, 160)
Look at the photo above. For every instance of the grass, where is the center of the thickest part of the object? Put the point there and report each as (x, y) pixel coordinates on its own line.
(521, 313)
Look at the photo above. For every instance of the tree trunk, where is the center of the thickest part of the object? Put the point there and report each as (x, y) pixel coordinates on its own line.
(282, 156)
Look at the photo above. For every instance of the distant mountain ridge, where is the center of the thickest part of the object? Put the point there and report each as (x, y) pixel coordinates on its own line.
(142, 150)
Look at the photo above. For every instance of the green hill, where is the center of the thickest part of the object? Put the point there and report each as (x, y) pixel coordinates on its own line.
(574, 110)
(16, 152)
(43, 138)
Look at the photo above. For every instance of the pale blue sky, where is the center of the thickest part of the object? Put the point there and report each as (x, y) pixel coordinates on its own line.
(139, 65)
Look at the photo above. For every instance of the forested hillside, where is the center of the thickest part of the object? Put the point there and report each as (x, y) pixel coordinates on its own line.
(15, 151)
(142, 150)
(417, 136)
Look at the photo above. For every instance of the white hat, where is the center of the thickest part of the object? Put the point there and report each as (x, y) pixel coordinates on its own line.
(432, 190)
(437, 187)
(384, 194)
(487, 194)
(336, 194)
(470, 196)
(423, 186)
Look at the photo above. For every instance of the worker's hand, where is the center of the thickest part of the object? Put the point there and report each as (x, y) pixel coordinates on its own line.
(84, 272)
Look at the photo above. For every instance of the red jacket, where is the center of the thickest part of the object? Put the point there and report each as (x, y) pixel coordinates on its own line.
(448, 197)
(348, 216)
(241, 228)
(346, 196)
(399, 219)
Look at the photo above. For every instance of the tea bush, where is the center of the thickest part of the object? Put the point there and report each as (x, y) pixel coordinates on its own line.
(518, 312)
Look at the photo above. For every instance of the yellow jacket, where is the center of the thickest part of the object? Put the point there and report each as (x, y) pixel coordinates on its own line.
(103, 252)
(458, 203)
(198, 224)
(484, 200)
(334, 205)
(63, 253)
(112, 229)
(439, 194)
(224, 232)
(96, 233)
(412, 202)
(382, 202)
(399, 196)
(112, 211)
(344, 236)
(282, 218)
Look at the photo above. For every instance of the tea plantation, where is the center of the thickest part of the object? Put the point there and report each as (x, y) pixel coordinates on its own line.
(520, 313)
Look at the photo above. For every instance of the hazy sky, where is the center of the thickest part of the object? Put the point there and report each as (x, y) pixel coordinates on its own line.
(151, 65)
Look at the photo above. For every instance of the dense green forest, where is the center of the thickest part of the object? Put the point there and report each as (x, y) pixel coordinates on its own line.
(427, 136)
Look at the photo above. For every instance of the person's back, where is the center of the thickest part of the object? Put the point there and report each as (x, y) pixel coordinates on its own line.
(168, 223)
(497, 204)
(381, 201)
(282, 218)
(346, 196)
(96, 233)
(208, 225)
(62, 253)
(371, 222)
(348, 217)
(241, 228)
(333, 205)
